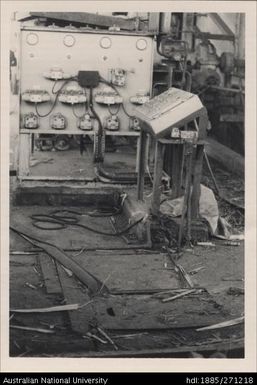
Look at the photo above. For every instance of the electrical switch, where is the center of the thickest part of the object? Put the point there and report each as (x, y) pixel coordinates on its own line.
(72, 95)
(134, 124)
(108, 96)
(140, 98)
(31, 121)
(58, 121)
(56, 73)
(118, 77)
(189, 136)
(85, 123)
(35, 95)
(112, 123)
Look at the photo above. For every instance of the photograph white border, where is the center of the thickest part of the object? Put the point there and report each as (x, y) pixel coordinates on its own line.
(86, 365)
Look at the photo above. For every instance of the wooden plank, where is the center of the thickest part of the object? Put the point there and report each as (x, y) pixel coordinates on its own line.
(143, 312)
(137, 272)
(88, 19)
(182, 351)
(211, 36)
(59, 255)
(230, 159)
(158, 167)
(50, 275)
(75, 131)
(235, 118)
(80, 319)
(153, 21)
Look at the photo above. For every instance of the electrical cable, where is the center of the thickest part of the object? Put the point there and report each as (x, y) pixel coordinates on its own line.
(62, 222)
(95, 214)
(55, 100)
(54, 92)
(111, 112)
(100, 133)
(102, 80)
(74, 112)
(126, 113)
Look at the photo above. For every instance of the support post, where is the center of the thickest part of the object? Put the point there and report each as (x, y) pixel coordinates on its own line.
(158, 167)
(197, 174)
(176, 169)
(24, 154)
(142, 148)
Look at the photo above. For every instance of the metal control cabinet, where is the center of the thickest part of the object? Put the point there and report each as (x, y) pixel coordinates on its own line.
(72, 50)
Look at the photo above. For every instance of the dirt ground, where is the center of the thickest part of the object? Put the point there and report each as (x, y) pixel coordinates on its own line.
(133, 314)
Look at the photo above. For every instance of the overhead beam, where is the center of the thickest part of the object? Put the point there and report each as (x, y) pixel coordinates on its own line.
(90, 19)
(221, 23)
(211, 36)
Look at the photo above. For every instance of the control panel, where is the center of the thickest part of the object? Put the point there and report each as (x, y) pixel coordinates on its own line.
(172, 108)
(69, 71)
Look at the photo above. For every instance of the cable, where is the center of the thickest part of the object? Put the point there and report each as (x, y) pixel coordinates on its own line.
(126, 113)
(113, 113)
(54, 92)
(74, 112)
(100, 134)
(102, 80)
(62, 222)
(55, 100)
(49, 112)
(95, 213)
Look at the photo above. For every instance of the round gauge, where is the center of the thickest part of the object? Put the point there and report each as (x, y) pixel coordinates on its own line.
(69, 40)
(105, 42)
(141, 44)
(32, 39)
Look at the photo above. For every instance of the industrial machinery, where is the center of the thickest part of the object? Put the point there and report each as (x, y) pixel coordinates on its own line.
(82, 81)
(175, 118)
(174, 53)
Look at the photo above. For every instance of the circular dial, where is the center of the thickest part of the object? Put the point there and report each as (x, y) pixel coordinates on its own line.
(141, 44)
(32, 39)
(69, 40)
(105, 42)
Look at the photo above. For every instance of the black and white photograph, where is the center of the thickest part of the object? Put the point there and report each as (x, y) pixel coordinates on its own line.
(127, 146)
